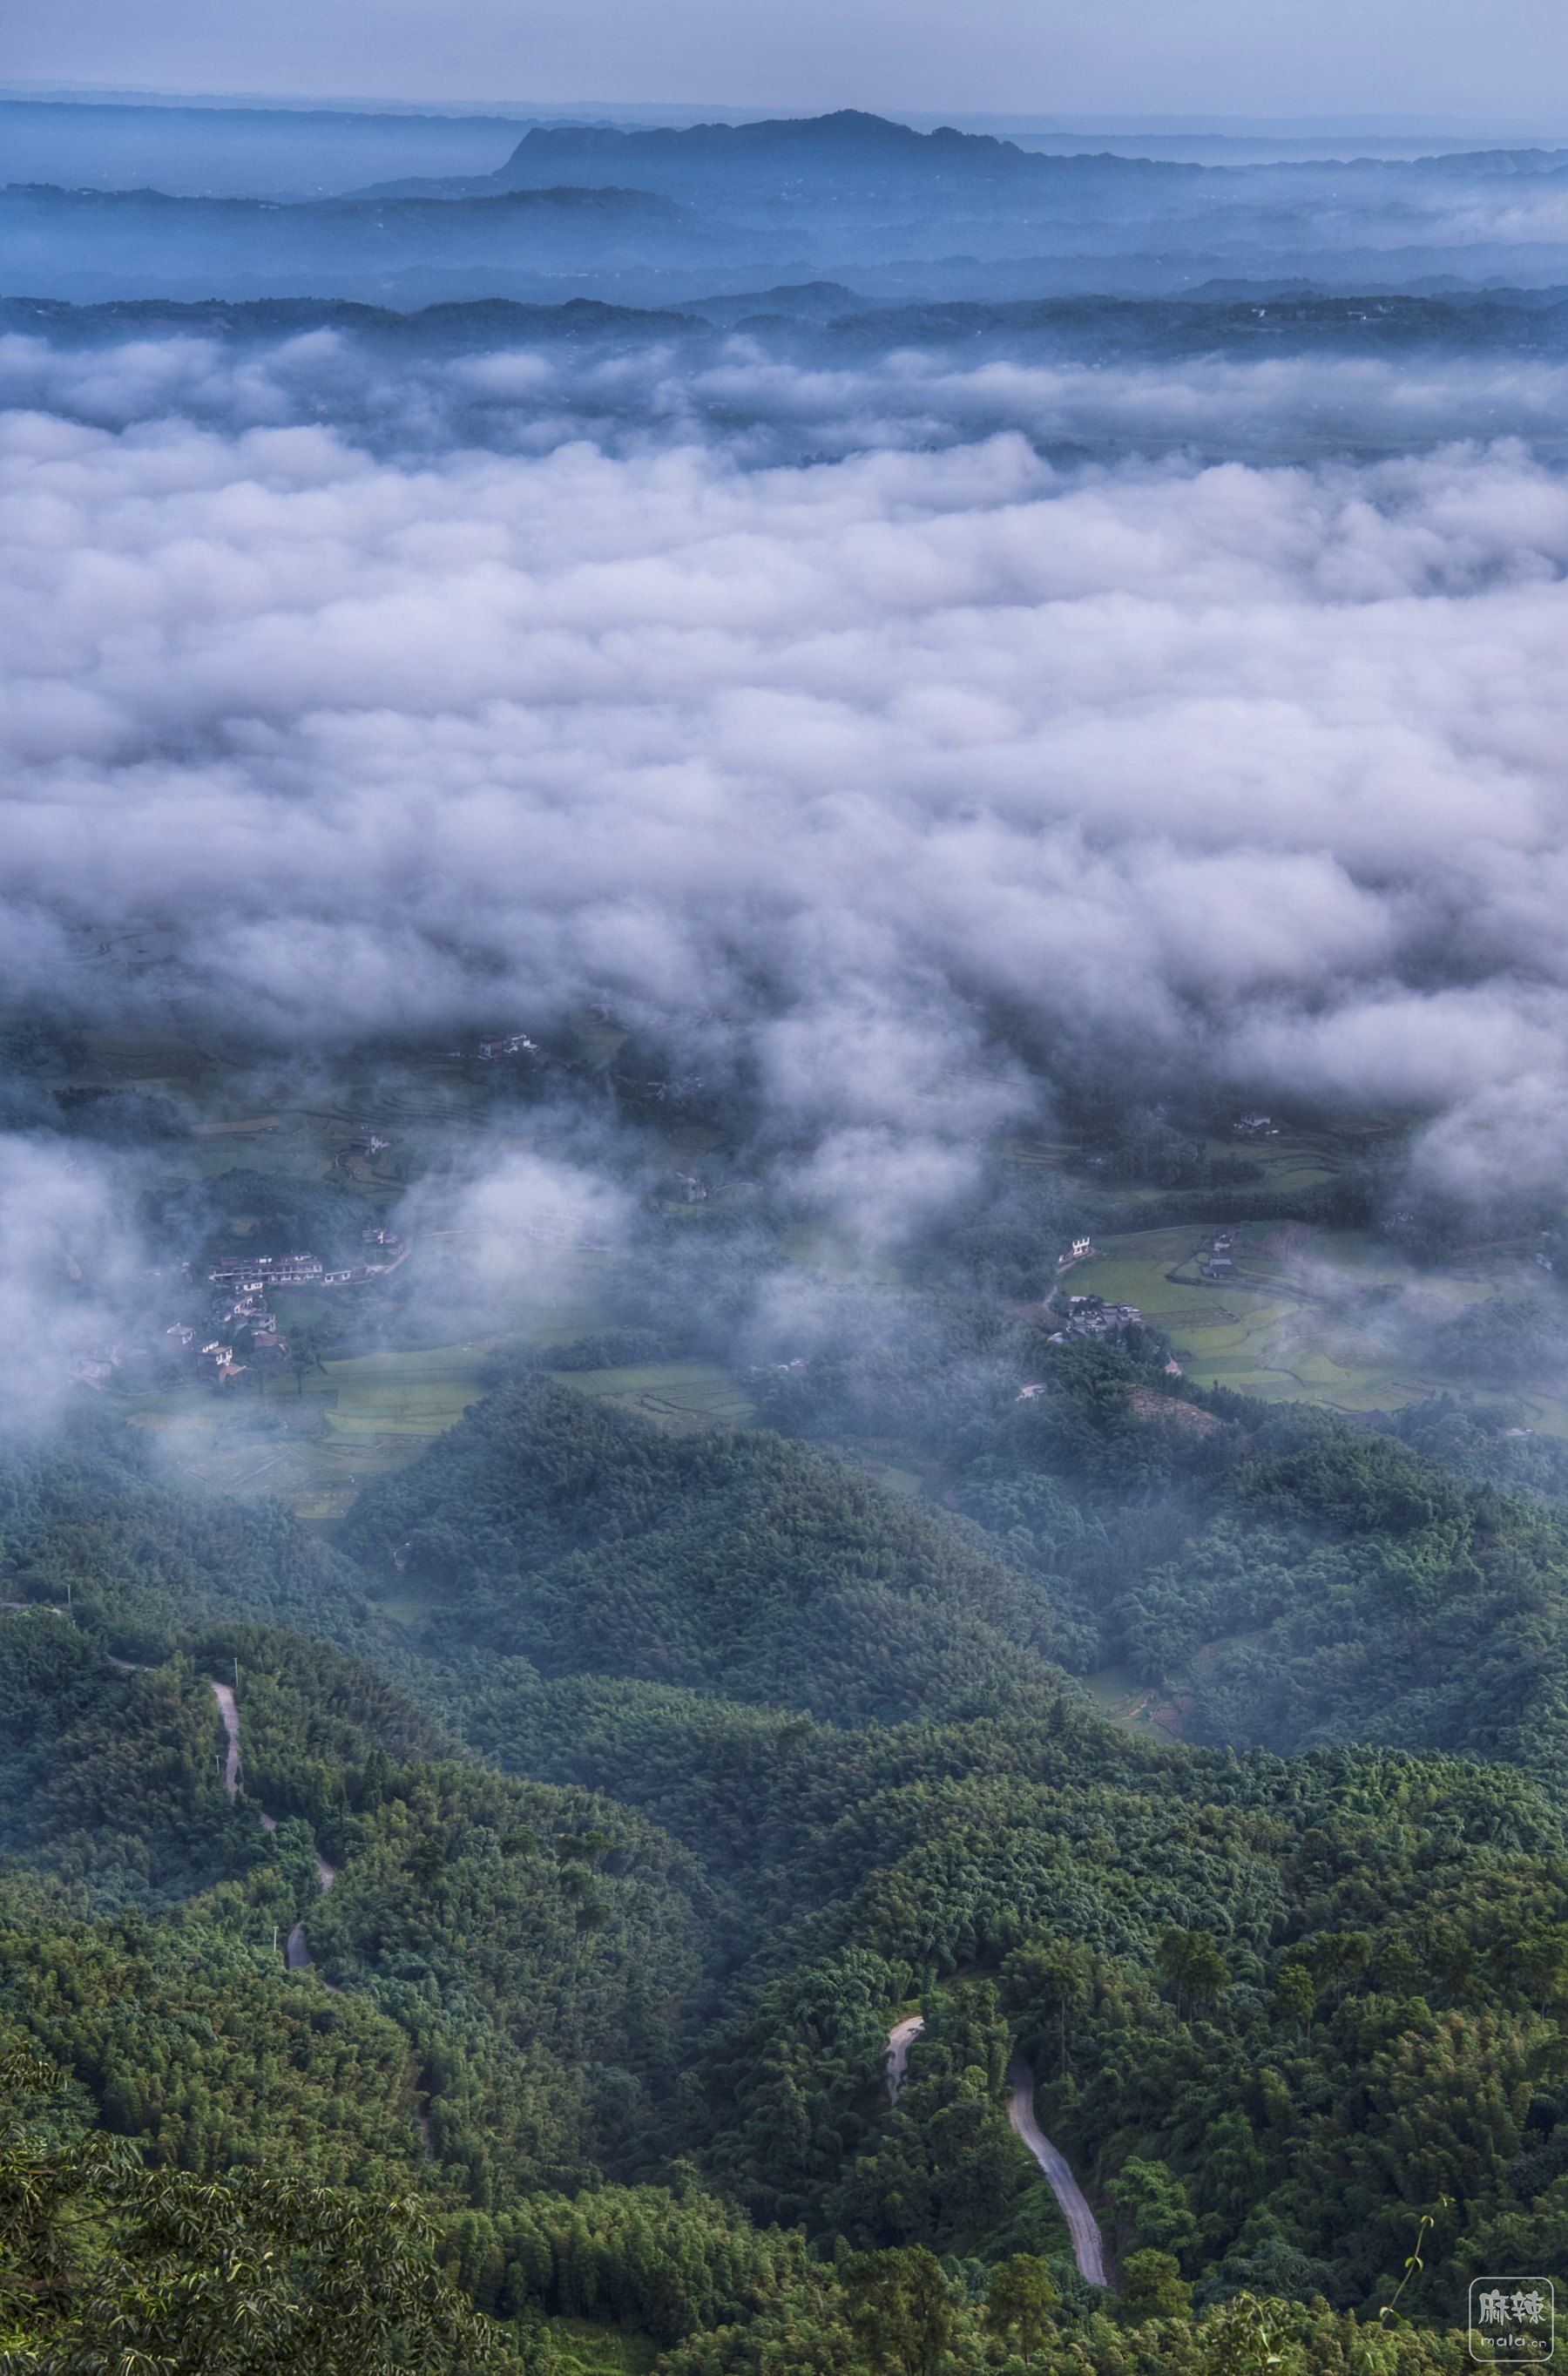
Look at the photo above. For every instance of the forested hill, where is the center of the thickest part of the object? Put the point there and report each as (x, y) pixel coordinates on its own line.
(657, 1775)
(1277, 1576)
(1282, 1580)
(551, 1528)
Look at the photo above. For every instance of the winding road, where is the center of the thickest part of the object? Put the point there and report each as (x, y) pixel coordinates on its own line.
(296, 1953)
(1088, 2248)
(900, 2037)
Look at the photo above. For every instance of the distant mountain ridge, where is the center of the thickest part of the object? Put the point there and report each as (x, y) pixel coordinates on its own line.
(665, 219)
(847, 145)
(851, 147)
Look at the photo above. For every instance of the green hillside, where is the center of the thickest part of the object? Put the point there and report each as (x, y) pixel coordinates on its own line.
(657, 1773)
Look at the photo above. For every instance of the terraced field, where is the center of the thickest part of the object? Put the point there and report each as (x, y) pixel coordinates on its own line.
(313, 1449)
(1311, 1315)
(677, 1395)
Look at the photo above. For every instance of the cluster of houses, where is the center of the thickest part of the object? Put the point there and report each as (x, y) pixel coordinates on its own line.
(516, 1043)
(239, 1306)
(1079, 1251)
(1254, 1126)
(1090, 1315)
(215, 1362)
(257, 1274)
(1220, 1262)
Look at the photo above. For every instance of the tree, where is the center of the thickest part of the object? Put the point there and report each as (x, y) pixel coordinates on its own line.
(1153, 2201)
(1019, 2300)
(900, 2311)
(1540, 1962)
(304, 1354)
(106, 2266)
(1191, 1963)
(1152, 2286)
(1295, 1995)
(1055, 1979)
(1243, 2338)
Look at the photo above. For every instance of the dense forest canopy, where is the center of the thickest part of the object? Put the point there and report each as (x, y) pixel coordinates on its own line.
(656, 1775)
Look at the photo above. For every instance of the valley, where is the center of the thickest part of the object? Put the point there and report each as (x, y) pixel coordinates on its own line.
(783, 1346)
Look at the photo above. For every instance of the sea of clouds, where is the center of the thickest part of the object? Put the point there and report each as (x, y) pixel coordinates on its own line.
(760, 405)
(908, 777)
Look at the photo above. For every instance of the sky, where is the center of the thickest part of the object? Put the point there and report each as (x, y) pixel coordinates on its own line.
(1480, 58)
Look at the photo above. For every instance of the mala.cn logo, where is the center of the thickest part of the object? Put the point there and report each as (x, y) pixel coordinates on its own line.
(1512, 2320)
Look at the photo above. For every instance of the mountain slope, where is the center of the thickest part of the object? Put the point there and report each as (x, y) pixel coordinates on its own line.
(551, 1528)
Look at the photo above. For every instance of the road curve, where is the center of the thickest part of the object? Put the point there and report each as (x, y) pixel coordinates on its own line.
(1089, 2250)
(900, 2037)
(224, 1695)
(296, 1954)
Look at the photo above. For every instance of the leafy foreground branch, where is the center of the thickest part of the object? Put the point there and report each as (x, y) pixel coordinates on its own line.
(109, 2268)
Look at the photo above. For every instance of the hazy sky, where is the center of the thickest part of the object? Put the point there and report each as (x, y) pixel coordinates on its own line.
(1282, 57)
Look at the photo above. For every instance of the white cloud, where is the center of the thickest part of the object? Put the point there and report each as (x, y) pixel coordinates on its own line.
(70, 1268)
(1249, 768)
(502, 1242)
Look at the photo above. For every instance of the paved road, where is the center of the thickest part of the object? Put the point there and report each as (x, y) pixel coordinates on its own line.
(1089, 2250)
(900, 2037)
(296, 1954)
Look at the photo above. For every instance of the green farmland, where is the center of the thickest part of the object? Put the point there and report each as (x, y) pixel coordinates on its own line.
(314, 1447)
(1311, 1315)
(676, 1394)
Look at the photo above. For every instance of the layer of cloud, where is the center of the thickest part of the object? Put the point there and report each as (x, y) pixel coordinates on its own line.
(917, 773)
(767, 406)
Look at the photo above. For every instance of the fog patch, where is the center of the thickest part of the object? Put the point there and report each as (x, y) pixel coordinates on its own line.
(72, 1274)
(507, 1240)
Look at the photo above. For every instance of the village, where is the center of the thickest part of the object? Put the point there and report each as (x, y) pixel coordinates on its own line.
(1086, 1316)
(1090, 1315)
(240, 1313)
